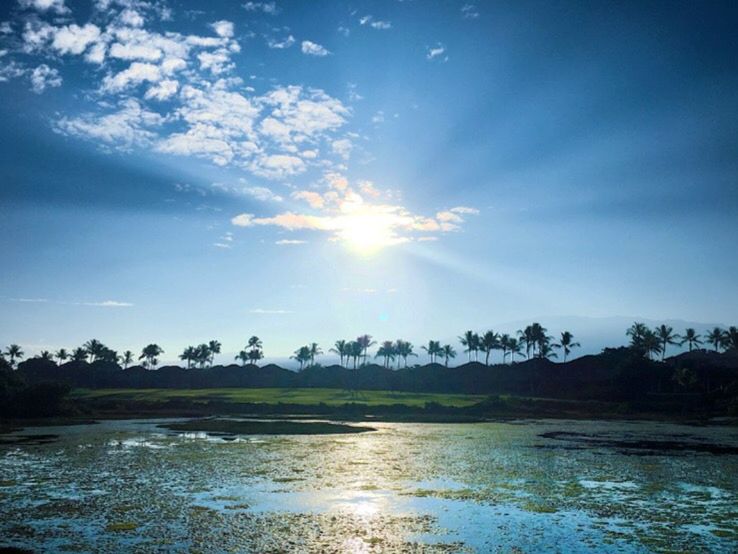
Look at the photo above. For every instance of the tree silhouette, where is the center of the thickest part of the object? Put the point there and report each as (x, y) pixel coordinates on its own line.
(94, 349)
(243, 356)
(504, 345)
(716, 338)
(189, 355)
(433, 349)
(545, 350)
(340, 348)
(62, 355)
(469, 342)
(79, 354)
(150, 353)
(387, 351)
(666, 336)
(567, 343)
(126, 359)
(526, 338)
(490, 341)
(255, 351)
(404, 350)
(651, 343)
(637, 333)
(255, 354)
(691, 338)
(302, 355)
(354, 351)
(514, 347)
(213, 348)
(365, 341)
(46, 355)
(315, 350)
(202, 355)
(731, 338)
(448, 352)
(14, 352)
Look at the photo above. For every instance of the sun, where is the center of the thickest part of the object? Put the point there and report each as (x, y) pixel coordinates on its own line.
(366, 233)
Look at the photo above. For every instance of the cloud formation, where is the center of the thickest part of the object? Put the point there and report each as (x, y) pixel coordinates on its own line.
(313, 49)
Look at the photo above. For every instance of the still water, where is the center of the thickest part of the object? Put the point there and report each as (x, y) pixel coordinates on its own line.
(123, 486)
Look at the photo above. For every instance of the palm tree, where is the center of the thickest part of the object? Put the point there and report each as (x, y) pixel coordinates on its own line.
(365, 341)
(541, 341)
(126, 359)
(404, 349)
(637, 333)
(731, 338)
(433, 349)
(108, 355)
(545, 351)
(489, 342)
(255, 355)
(448, 352)
(651, 343)
(504, 345)
(94, 348)
(315, 350)
(354, 351)
(62, 355)
(14, 351)
(526, 337)
(151, 352)
(716, 338)
(255, 342)
(243, 356)
(202, 355)
(666, 336)
(469, 342)
(387, 351)
(79, 355)
(514, 347)
(46, 355)
(691, 338)
(213, 348)
(340, 348)
(302, 355)
(567, 343)
(189, 355)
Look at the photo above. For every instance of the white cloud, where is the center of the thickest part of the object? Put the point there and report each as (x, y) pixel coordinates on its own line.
(56, 6)
(109, 304)
(223, 28)
(132, 18)
(263, 194)
(222, 245)
(43, 76)
(342, 147)
(313, 49)
(314, 199)
(137, 73)
(436, 53)
(269, 312)
(265, 7)
(469, 11)
(281, 44)
(375, 23)
(135, 51)
(285, 242)
(464, 210)
(163, 91)
(277, 166)
(73, 39)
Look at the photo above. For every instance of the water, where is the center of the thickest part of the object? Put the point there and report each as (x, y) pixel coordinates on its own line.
(494, 487)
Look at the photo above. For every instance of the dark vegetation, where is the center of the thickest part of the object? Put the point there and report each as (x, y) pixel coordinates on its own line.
(638, 379)
(227, 427)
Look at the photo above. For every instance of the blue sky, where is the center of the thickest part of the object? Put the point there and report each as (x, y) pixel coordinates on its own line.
(176, 172)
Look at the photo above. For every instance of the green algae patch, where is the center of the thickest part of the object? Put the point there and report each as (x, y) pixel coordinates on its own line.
(279, 427)
(121, 527)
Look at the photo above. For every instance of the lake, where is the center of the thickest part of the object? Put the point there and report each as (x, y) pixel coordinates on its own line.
(525, 486)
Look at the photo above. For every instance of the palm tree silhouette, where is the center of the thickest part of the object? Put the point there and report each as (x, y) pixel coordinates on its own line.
(315, 350)
(354, 351)
(404, 349)
(387, 351)
(14, 352)
(202, 355)
(150, 353)
(79, 355)
(46, 355)
(504, 345)
(189, 354)
(691, 338)
(651, 343)
(365, 341)
(340, 348)
(302, 355)
(567, 343)
(433, 349)
(254, 347)
(255, 354)
(514, 346)
(731, 338)
(62, 355)
(469, 342)
(716, 338)
(448, 352)
(213, 348)
(526, 338)
(243, 356)
(490, 341)
(126, 359)
(545, 350)
(94, 348)
(666, 336)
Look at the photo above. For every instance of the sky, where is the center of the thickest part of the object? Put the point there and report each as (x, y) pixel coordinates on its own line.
(175, 172)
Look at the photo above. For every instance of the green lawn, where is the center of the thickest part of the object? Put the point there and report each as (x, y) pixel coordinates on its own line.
(331, 397)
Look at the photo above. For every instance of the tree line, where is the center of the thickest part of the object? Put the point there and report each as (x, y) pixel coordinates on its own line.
(531, 342)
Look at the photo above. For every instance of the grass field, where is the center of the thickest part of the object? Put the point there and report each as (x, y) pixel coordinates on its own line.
(330, 397)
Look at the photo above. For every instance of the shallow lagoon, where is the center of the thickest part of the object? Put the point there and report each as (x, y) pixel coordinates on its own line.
(131, 485)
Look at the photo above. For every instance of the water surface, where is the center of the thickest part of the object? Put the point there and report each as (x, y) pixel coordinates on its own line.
(132, 486)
